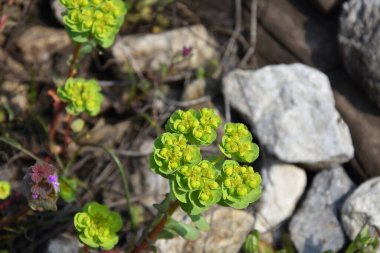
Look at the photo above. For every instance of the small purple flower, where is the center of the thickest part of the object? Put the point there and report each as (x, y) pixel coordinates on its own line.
(53, 180)
(40, 186)
(41, 170)
(186, 51)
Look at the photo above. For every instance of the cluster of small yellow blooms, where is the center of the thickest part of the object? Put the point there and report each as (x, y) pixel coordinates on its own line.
(198, 126)
(197, 183)
(237, 143)
(5, 189)
(81, 96)
(239, 180)
(171, 152)
(98, 19)
(202, 178)
(97, 226)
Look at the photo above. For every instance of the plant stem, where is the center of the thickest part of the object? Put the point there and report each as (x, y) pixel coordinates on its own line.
(72, 69)
(58, 105)
(154, 233)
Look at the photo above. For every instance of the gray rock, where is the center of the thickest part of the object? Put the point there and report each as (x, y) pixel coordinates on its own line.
(194, 90)
(359, 39)
(228, 229)
(362, 207)
(149, 52)
(15, 95)
(292, 110)
(283, 186)
(315, 226)
(64, 243)
(36, 48)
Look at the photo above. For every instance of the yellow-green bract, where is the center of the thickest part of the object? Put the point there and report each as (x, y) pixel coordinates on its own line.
(94, 19)
(197, 187)
(5, 189)
(81, 96)
(97, 226)
(241, 185)
(199, 127)
(237, 143)
(171, 151)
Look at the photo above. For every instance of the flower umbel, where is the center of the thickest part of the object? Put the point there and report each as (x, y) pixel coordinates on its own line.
(5, 189)
(40, 186)
(198, 184)
(97, 226)
(81, 96)
(96, 19)
(199, 127)
(171, 151)
(241, 185)
(237, 143)
(196, 187)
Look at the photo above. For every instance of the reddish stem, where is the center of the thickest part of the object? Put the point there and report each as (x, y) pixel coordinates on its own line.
(58, 107)
(3, 22)
(154, 233)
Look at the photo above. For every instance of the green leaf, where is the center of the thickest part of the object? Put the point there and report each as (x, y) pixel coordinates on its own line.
(87, 47)
(167, 233)
(68, 188)
(365, 241)
(164, 205)
(251, 244)
(184, 230)
(200, 222)
(180, 195)
(78, 37)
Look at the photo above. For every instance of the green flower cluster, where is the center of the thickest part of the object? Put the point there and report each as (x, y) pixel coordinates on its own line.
(237, 143)
(5, 189)
(97, 19)
(240, 184)
(196, 187)
(81, 96)
(199, 127)
(199, 184)
(171, 151)
(97, 226)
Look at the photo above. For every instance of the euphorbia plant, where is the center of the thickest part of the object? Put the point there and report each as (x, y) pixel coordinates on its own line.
(97, 226)
(196, 182)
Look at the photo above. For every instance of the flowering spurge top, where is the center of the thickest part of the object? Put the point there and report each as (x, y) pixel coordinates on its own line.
(97, 19)
(196, 187)
(40, 186)
(237, 143)
(5, 189)
(97, 226)
(199, 127)
(81, 96)
(171, 151)
(241, 185)
(200, 183)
